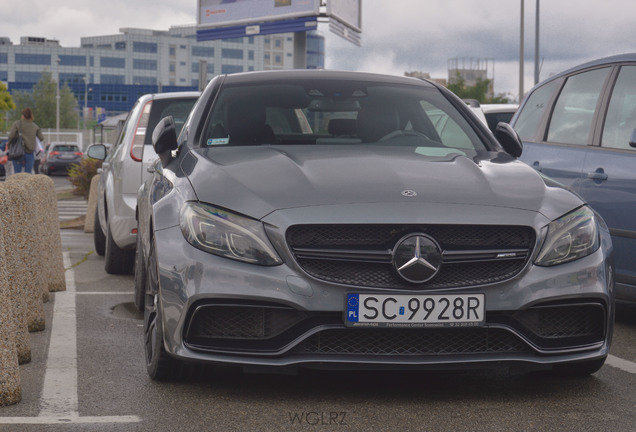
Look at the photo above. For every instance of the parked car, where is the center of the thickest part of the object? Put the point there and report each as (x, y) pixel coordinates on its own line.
(123, 171)
(578, 127)
(58, 157)
(319, 219)
(496, 113)
(492, 114)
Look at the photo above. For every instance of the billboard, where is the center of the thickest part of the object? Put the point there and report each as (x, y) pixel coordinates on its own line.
(348, 12)
(220, 13)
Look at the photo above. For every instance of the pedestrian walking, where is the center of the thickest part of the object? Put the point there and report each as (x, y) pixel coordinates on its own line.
(29, 131)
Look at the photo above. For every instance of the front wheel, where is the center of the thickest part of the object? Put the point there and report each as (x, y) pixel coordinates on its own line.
(140, 276)
(159, 364)
(118, 261)
(98, 236)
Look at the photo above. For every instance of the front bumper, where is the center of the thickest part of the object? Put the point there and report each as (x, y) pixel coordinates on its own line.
(221, 311)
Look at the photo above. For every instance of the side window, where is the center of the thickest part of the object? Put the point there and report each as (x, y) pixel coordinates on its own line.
(530, 116)
(573, 114)
(126, 130)
(621, 114)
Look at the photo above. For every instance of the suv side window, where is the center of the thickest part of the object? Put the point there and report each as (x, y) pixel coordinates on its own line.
(621, 114)
(529, 118)
(572, 118)
(126, 130)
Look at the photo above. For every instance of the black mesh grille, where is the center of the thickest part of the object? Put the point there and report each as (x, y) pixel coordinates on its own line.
(242, 322)
(412, 342)
(383, 238)
(271, 328)
(564, 321)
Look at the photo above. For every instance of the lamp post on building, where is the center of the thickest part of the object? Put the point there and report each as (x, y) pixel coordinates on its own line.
(85, 78)
(57, 101)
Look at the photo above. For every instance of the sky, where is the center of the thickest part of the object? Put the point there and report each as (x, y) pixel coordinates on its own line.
(397, 35)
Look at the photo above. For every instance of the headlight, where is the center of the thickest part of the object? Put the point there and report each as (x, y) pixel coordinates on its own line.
(226, 234)
(570, 237)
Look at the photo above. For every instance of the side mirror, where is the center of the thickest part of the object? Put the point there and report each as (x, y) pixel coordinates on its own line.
(509, 139)
(97, 151)
(164, 139)
(632, 139)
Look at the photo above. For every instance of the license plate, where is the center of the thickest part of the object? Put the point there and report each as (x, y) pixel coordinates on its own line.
(419, 310)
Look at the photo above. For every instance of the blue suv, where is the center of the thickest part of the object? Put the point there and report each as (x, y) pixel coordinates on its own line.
(579, 128)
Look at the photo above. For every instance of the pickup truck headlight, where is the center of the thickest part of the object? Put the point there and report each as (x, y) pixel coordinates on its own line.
(570, 237)
(226, 234)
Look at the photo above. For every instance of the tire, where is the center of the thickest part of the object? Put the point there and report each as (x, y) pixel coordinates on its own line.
(159, 364)
(140, 276)
(118, 261)
(99, 239)
(579, 369)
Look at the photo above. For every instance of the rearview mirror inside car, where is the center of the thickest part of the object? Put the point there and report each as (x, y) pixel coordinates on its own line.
(164, 139)
(509, 139)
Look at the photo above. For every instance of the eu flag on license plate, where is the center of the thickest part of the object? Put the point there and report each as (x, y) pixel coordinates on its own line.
(353, 301)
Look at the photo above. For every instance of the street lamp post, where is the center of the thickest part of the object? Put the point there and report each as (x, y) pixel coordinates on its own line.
(521, 55)
(57, 101)
(536, 46)
(85, 100)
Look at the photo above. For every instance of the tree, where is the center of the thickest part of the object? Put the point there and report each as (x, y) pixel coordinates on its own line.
(6, 104)
(42, 102)
(478, 91)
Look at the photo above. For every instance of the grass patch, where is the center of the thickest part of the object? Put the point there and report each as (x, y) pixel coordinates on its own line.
(65, 194)
(77, 223)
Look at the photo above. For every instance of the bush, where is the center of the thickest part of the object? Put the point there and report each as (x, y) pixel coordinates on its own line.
(80, 175)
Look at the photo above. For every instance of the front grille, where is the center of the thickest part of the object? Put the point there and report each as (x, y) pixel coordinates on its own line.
(242, 322)
(272, 329)
(563, 324)
(361, 255)
(407, 342)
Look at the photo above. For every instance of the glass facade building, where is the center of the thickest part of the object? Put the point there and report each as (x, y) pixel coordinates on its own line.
(108, 73)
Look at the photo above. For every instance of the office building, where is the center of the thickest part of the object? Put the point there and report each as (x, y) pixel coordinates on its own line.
(108, 73)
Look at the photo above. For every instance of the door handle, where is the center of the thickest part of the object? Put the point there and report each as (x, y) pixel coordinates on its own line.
(598, 175)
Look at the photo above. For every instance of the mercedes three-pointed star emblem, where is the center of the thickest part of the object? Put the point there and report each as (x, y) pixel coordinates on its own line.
(417, 258)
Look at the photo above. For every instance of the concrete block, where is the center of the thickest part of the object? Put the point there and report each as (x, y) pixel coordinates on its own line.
(52, 262)
(24, 244)
(10, 390)
(11, 267)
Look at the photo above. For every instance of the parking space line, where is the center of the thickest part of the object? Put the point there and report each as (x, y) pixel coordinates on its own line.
(59, 394)
(59, 404)
(619, 363)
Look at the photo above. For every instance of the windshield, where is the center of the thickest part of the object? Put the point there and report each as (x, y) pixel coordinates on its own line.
(331, 112)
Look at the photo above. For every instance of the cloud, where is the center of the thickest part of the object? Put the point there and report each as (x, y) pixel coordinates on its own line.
(69, 20)
(398, 35)
(409, 35)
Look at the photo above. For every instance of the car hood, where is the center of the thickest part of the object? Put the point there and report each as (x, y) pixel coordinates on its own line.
(256, 181)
